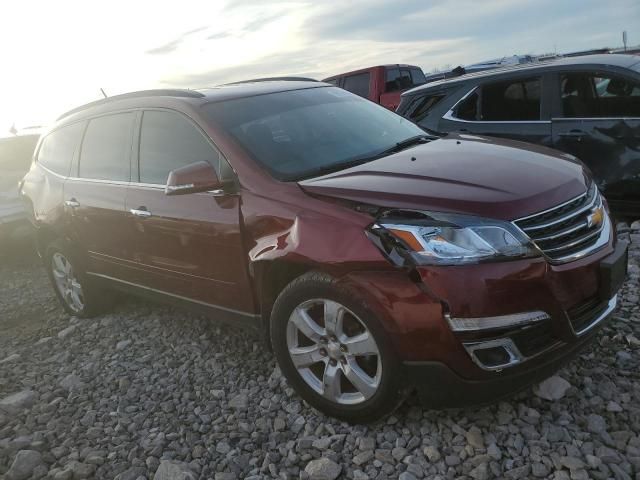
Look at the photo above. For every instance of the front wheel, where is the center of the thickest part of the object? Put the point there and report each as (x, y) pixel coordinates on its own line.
(333, 350)
(78, 296)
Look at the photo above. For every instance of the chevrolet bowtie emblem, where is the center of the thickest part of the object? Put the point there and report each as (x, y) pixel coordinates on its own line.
(595, 218)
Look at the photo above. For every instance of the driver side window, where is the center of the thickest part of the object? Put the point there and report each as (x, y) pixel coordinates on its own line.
(168, 140)
(598, 95)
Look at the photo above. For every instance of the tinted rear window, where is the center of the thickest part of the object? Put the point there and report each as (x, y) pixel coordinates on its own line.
(58, 148)
(106, 148)
(358, 84)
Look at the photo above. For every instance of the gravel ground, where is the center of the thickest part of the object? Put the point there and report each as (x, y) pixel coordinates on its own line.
(152, 392)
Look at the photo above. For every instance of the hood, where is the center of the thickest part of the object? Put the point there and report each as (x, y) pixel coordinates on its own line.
(466, 174)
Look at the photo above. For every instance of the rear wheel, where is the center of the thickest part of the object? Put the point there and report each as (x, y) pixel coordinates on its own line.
(333, 351)
(77, 294)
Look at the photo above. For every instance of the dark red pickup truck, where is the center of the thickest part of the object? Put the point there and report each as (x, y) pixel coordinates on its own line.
(382, 84)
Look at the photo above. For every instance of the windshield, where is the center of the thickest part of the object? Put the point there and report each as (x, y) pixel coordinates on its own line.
(296, 134)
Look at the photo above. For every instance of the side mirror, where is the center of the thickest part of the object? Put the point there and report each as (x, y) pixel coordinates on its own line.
(193, 178)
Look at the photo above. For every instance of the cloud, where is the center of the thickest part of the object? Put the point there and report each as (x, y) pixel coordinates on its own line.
(218, 36)
(174, 44)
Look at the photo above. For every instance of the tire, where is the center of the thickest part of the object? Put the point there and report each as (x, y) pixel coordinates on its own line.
(351, 345)
(78, 295)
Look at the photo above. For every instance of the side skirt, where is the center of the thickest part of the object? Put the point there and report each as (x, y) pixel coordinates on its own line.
(215, 312)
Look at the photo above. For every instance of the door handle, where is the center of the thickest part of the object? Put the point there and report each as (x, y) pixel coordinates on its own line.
(72, 203)
(577, 134)
(141, 212)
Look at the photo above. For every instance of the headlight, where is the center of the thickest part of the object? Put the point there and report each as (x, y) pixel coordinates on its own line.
(447, 239)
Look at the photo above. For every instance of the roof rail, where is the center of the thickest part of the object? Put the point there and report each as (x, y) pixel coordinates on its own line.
(138, 94)
(271, 79)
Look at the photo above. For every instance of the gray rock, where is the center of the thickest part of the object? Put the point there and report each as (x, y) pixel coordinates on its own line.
(82, 470)
(171, 470)
(67, 331)
(481, 472)
(539, 470)
(406, 476)
(24, 463)
(65, 474)
(323, 469)
(363, 457)
(15, 403)
(131, 473)
(596, 423)
(572, 463)
(223, 448)
(552, 389)
(122, 344)
(71, 382)
(239, 402)
(321, 443)
(475, 437)
(432, 454)
(10, 358)
(225, 476)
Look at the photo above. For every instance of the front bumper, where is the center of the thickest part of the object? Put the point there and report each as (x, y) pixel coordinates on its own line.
(439, 386)
(577, 297)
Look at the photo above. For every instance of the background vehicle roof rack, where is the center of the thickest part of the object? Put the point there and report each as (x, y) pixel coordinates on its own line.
(142, 93)
(273, 79)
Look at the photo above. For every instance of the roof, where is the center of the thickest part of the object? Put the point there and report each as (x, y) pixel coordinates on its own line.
(366, 69)
(616, 60)
(200, 96)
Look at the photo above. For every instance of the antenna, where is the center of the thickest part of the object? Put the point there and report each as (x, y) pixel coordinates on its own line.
(105, 95)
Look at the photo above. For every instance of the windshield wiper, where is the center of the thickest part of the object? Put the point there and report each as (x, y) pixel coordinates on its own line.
(409, 142)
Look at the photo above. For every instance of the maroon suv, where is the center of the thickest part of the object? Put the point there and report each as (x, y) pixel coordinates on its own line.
(374, 257)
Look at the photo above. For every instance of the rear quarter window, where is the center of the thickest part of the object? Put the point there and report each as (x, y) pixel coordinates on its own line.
(424, 106)
(358, 84)
(58, 148)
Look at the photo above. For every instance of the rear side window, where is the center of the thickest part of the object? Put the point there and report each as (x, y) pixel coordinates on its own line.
(417, 76)
(358, 84)
(515, 100)
(58, 148)
(392, 80)
(424, 106)
(599, 95)
(106, 148)
(169, 141)
(511, 101)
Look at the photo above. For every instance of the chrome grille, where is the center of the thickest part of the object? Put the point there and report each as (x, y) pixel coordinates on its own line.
(568, 231)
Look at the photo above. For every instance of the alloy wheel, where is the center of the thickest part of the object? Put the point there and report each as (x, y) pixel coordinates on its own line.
(334, 352)
(67, 282)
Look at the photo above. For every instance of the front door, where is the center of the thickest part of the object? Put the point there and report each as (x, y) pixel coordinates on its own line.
(188, 246)
(598, 121)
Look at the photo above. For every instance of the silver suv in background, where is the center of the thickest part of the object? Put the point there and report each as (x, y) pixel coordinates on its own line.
(16, 153)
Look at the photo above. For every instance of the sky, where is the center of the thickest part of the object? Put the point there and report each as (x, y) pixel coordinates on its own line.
(58, 54)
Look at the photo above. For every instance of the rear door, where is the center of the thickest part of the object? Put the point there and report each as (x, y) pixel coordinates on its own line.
(597, 119)
(514, 108)
(94, 194)
(187, 246)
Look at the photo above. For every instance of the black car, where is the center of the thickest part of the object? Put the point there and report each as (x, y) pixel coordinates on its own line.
(586, 106)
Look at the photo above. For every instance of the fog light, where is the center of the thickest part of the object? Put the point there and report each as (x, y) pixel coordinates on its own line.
(493, 323)
(494, 354)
